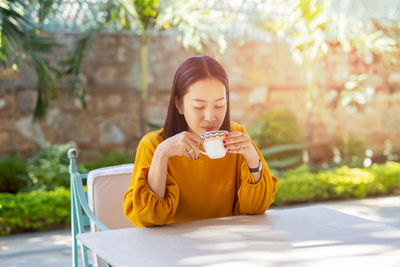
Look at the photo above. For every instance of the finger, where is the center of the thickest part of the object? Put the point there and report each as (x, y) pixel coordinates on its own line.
(234, 134)
(236, 139)
(194, 137)
(237, 146)
(195, 146)
(189, 152)
(188, 140)
(194, 151)
(235, 151)
(243, 141)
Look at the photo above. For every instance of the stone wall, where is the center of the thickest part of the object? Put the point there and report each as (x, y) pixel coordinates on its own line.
(262, 77)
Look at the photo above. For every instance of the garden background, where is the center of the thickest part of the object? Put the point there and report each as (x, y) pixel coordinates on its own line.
(316, 83)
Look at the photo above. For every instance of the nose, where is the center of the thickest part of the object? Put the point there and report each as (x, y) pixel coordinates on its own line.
(208, 114)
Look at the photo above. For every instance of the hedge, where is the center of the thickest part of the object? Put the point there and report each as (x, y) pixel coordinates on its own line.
(45, 210)
(34, 211)
(300, 185)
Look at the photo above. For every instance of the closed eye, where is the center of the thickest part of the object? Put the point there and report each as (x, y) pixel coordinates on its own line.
(203, 107)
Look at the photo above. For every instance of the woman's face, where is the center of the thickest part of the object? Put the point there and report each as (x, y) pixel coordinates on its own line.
(204, 105)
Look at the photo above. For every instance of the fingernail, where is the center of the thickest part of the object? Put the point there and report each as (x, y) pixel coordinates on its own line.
(224, 141)
(225, 146)
(229, 150)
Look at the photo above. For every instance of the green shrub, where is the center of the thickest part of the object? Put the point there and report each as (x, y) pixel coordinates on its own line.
(300, 185)
(277, 130)
(48, 169)
(107, 158)
(34, 211)
(276, 127)
(13, 174)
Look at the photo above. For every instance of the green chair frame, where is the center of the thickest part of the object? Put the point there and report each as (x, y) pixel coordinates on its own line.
(81, 214)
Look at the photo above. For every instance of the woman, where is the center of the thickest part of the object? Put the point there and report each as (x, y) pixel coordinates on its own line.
(172, 181)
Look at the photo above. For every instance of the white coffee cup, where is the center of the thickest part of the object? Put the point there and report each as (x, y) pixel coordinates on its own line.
(212, 144)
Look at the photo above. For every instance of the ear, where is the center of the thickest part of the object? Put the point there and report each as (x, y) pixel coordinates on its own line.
(178, 107)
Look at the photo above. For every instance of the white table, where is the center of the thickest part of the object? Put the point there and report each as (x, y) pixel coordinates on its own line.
(309, 236)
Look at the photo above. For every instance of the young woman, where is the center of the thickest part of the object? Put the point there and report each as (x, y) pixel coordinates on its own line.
(172, 181)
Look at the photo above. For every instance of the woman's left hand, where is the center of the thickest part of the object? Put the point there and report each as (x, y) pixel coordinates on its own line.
(238, 142)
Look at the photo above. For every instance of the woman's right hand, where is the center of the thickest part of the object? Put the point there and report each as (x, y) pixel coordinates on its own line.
(182, 144)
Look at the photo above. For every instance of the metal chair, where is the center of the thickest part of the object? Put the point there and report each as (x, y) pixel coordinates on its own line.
(100, 208)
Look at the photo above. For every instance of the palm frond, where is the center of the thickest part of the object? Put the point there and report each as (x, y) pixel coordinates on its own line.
(73, 64)
(20, 38)
(47, 86)
(283, 148)
(192, 24)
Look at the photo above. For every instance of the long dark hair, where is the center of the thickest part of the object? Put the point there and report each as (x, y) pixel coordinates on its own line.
(190, 71)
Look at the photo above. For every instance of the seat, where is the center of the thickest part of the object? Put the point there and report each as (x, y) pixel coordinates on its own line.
(100, 208)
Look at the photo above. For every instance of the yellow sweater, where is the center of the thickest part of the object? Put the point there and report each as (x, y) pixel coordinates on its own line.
(196, 189)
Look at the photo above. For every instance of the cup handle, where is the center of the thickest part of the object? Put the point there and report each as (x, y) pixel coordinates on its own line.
(203, 152)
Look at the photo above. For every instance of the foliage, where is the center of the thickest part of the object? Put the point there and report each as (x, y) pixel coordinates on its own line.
(279, 138)
(48, 169)
(283, 157)
(352, 151)
(149, 18)
(356, 92)
(390, 151)
(21, 40)
(108, 158)
(197, 27)
(299, 185)
(276, 127)
(390, 30)
(34, 211)
(13, 174)
(311, 31)
(147, 11)
(309, 28)
(72, 64)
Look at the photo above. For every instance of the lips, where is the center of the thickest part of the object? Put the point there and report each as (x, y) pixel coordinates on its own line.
(208, 129)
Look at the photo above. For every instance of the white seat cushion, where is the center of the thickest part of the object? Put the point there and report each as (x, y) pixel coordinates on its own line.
(106, 188)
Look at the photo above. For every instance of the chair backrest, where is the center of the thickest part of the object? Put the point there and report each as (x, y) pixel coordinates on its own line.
(101, 206)
(106, 188)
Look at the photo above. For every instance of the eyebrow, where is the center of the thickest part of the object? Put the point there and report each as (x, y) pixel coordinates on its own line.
(201, 100)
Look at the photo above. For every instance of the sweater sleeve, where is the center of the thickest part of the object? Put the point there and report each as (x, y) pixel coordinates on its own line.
(142, 206)
(254, 198)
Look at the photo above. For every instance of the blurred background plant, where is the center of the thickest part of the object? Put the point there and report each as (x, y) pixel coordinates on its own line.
(22, 42)
(312, 31)
(300, 185)
(187, 19)
(280, 139)
(352, 151)
(48, 169)
(107, 158)
(13, 174)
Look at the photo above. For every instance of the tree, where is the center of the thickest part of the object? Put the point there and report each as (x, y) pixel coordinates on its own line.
(22, 42)
(311, 31)
(183, 17)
